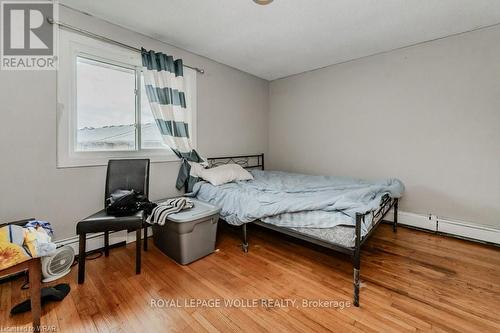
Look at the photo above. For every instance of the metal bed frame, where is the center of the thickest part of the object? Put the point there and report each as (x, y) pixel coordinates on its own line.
(257, 162)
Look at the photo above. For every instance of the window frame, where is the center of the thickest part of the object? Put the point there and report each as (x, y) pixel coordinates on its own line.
(75, 45)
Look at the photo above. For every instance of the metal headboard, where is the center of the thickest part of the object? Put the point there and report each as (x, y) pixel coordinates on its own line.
(246, 161)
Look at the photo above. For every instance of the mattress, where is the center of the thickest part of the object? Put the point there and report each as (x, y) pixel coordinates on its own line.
(320, 207)
(340, 235)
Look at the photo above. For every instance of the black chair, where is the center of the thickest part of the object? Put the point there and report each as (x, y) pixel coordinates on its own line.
(131, 174)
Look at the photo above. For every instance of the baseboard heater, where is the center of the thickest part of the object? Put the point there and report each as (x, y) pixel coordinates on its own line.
(449, 227)
(96, 241)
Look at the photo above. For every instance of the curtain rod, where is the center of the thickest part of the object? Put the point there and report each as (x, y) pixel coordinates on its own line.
(106, 39)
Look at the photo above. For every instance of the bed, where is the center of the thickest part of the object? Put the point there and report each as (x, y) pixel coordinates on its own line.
(332, 212)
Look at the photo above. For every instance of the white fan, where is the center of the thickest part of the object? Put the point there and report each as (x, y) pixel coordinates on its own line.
(59, 264)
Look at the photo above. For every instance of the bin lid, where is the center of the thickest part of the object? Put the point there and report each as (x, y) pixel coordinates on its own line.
(200, 210)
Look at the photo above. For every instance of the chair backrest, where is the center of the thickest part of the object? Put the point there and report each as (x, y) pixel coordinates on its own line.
(130, 174)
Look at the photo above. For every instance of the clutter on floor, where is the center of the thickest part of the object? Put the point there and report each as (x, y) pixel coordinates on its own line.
(48, 294)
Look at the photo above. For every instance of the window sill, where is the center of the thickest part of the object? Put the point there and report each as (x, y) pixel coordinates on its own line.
(89, 161)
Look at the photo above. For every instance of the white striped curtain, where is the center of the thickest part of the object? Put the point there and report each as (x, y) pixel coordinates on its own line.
(165, 88)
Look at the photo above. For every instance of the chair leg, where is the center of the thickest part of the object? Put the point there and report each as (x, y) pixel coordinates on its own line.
(138, 251)
(34, 272)
(81, 259)
(145, 237)
(106, 243)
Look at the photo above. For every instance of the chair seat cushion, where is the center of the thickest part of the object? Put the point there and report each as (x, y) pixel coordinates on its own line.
(101, 221)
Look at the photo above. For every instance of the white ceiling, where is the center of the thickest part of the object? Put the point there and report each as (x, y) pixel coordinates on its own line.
(292, 36)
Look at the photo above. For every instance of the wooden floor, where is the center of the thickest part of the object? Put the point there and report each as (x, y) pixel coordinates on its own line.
(412, 281)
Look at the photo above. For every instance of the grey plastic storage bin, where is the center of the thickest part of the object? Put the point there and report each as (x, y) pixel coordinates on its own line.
(190, 234)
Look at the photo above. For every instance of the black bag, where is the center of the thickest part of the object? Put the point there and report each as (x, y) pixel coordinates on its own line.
(125, 202)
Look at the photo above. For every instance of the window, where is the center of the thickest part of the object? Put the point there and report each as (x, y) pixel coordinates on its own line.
(103, 111)
(105, 106)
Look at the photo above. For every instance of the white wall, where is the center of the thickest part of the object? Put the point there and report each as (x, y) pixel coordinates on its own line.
(231, 104)
(428, 114)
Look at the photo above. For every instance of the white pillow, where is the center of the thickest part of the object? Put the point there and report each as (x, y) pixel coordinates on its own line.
(224, 174)
(196, 169)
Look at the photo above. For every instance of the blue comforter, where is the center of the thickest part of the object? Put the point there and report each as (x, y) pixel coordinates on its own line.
(297, 200)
